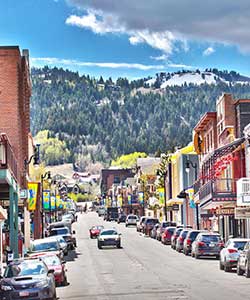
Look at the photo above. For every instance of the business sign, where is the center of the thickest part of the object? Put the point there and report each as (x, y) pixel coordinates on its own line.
(225, 211)
(242, 213)
(175, 207)
(46, 200)
(32, 195)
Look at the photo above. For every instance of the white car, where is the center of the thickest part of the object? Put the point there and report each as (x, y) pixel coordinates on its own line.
(131, 220)
(109, 237)
(230, 254)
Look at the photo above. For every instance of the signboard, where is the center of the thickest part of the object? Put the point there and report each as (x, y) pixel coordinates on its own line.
(161, 195)
(32, 195)
(242, 213)
(225, 211)
(52, 202)
(46, 200)
(175, 207)
(141, 197)
(23, 194)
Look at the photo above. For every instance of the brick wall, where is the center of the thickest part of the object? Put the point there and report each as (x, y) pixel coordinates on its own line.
(15, 91)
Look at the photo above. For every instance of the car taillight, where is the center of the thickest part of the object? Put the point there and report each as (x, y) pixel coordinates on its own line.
(164, 235)
(181, 239)
(200, 244)
(221, 244)
(232, 250)
(189, 241)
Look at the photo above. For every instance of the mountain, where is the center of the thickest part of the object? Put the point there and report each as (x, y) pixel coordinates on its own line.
(209, 76)
(101, 119)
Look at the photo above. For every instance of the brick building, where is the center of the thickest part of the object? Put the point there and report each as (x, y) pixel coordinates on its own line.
(15, 92)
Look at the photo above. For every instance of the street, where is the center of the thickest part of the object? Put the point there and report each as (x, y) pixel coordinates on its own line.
(142, 269)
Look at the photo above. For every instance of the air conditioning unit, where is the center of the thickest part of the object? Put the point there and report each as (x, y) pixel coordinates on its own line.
(243, 192)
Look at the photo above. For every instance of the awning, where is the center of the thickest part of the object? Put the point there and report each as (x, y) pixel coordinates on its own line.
(172, 201)
(218, 202)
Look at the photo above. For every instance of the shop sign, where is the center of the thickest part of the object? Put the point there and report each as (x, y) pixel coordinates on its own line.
(242, 213)
(23, 194)
(175, 207)
(225, 211)
(169, 208)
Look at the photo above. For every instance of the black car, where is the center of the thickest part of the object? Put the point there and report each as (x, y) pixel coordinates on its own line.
(121, 218)
(191, 236)
(27, 279)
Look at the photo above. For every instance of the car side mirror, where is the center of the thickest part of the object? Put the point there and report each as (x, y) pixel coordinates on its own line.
(120, 234)
(63, 262)
(73, 232)
(51, 271)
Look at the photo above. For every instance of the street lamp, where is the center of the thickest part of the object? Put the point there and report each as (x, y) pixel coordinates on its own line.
(47, 176)
(35, 156)
(195, 167)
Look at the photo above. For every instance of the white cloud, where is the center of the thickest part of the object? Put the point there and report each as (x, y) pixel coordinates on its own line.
(209, 21)
(68, 62)
(208, 51)
(160, 57)
(181, 66)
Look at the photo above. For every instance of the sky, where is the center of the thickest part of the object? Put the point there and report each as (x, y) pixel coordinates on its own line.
(130, 38)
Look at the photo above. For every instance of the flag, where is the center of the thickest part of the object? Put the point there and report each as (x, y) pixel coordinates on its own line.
(191, 197)
(32, 195)
(129, 199)
(161, 195)
(141, 197)
(46, 200)
(52, 202)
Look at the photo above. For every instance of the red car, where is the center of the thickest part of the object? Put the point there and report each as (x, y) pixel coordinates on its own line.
(167, 234)
(54, 263)
(94, 231)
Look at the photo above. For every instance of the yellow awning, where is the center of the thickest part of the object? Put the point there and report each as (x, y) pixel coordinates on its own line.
(170, 202)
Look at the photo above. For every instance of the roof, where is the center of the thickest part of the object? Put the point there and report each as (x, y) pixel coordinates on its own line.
(148, 164)
(204, 120)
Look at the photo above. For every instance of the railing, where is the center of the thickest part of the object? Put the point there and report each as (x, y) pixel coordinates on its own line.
(7, 156)
(225, 186)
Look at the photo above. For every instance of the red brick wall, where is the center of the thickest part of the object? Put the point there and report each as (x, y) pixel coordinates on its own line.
(15, 93)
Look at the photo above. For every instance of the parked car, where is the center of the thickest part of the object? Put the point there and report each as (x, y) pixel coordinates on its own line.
(181, 238)
(160, 230)
(94, 231)
(28, 279)
(175, 236)
(68, 218)
(207, 244)
(191, 236)
(62, 243)
(112, 214)
(230, 254)
(148, 225)
(139, 223)
(65, 233)
(60, 224)
(101, 211)
(45, 245)
(243, 264)
(122, 218)
(153, 232)
(167, 234)
(131, 220)
(54, 263)
(109, 237)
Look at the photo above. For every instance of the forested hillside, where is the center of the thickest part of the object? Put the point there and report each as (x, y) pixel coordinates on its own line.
(104, 119)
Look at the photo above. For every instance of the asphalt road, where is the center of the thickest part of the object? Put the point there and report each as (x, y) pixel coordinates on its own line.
(143, 269)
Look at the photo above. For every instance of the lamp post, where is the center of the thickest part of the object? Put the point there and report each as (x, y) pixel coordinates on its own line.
(47, 176)
(195, 167)
(164, 173)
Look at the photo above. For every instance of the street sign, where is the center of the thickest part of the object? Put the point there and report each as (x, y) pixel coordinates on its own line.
(225, 211)
(23, 194)
(242, 212)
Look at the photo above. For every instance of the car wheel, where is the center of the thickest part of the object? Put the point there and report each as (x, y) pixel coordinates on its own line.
(247, 272)
(65, 281)
(196, 256)
(227, 268)
(91, 236)
(119, 245)
(99, 246)
(239, 271)
(192, 254)
(185, 252)
(221, 265)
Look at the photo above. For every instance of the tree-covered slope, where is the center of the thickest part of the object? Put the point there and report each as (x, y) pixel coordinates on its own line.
(105, 119)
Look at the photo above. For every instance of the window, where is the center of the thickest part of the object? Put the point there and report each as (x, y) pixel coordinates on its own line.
(117, 179)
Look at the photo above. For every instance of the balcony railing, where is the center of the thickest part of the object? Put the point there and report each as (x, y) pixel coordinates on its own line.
(218, 187)
(7, 156)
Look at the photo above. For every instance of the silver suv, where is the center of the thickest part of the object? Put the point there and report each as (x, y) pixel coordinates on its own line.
(131, 220)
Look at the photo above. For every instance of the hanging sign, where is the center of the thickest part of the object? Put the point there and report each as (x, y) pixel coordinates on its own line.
(52, 202)
(191, 197)
(141, 197)
(32, 195)
(46, 200)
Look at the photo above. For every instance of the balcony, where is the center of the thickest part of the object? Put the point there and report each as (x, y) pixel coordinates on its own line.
(8, 160)
(218, 190)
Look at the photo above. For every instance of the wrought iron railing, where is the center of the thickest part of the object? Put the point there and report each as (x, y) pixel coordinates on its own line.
(7, 156)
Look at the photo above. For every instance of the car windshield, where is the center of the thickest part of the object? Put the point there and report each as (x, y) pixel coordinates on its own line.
(26, 268)
(109, 232)
(184, 233)
(171, 230)
(210, 238)
(164, 225)
(44, 246)
(193, 234)
(51, 260)
(152, 221)
(59, 231)
(239, 244)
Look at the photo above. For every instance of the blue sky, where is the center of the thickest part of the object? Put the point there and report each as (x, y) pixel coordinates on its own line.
(128, 38)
